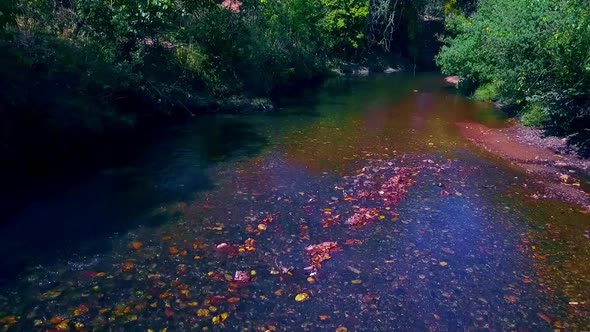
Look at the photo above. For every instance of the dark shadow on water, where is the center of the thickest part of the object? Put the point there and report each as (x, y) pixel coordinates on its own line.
(78, 213)
(305, 101)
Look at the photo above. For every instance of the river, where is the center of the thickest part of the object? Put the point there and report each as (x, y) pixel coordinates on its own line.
(358, 206)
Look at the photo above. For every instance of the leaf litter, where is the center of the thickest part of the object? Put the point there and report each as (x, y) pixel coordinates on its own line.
(206, 281)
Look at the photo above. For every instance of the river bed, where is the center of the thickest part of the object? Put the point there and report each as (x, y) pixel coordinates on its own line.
(358, 207)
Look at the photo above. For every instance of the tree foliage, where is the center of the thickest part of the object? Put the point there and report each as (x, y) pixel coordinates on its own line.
(536, 54)
(346, 23)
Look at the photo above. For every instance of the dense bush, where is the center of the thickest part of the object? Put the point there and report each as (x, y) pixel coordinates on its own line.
(535, 53)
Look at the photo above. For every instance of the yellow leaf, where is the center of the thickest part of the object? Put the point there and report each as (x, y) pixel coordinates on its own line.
(219, 319)
(356, 282)
(302, 297)
(63, 326)
(52, 294)
(203, 313)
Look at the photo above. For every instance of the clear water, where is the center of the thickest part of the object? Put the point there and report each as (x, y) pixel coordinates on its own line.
(144, 246)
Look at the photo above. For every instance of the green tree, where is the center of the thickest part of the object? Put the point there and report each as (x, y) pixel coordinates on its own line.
(7, 13)
(345, 22)
(535, 53)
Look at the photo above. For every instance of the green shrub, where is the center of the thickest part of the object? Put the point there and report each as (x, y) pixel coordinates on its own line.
(532, 51)
(486, 92)
(533, 116)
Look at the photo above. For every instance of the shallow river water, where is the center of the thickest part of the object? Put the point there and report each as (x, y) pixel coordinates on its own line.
(358, 207)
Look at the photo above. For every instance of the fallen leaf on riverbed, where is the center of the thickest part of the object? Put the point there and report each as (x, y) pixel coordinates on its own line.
(510, 298)
(127, 266)
(136, 245)
(242, 277)
(10, 320)
(52, 294)
(362, 216)
(56, 320)
(352, 242)
(63, 326)
(302, 297)
(330, 221)
(356, 282)
(203, 313)
(249, 245)
(219, 319)
(319, 253)
(82, 309)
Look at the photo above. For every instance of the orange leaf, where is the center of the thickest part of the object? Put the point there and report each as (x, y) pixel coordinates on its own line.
(127, 266)
(56, 320)
(511, 298)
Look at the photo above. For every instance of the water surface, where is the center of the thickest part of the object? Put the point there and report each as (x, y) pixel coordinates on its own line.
(208, 227)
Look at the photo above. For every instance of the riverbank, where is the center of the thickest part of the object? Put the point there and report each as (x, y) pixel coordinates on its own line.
(558, 171)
